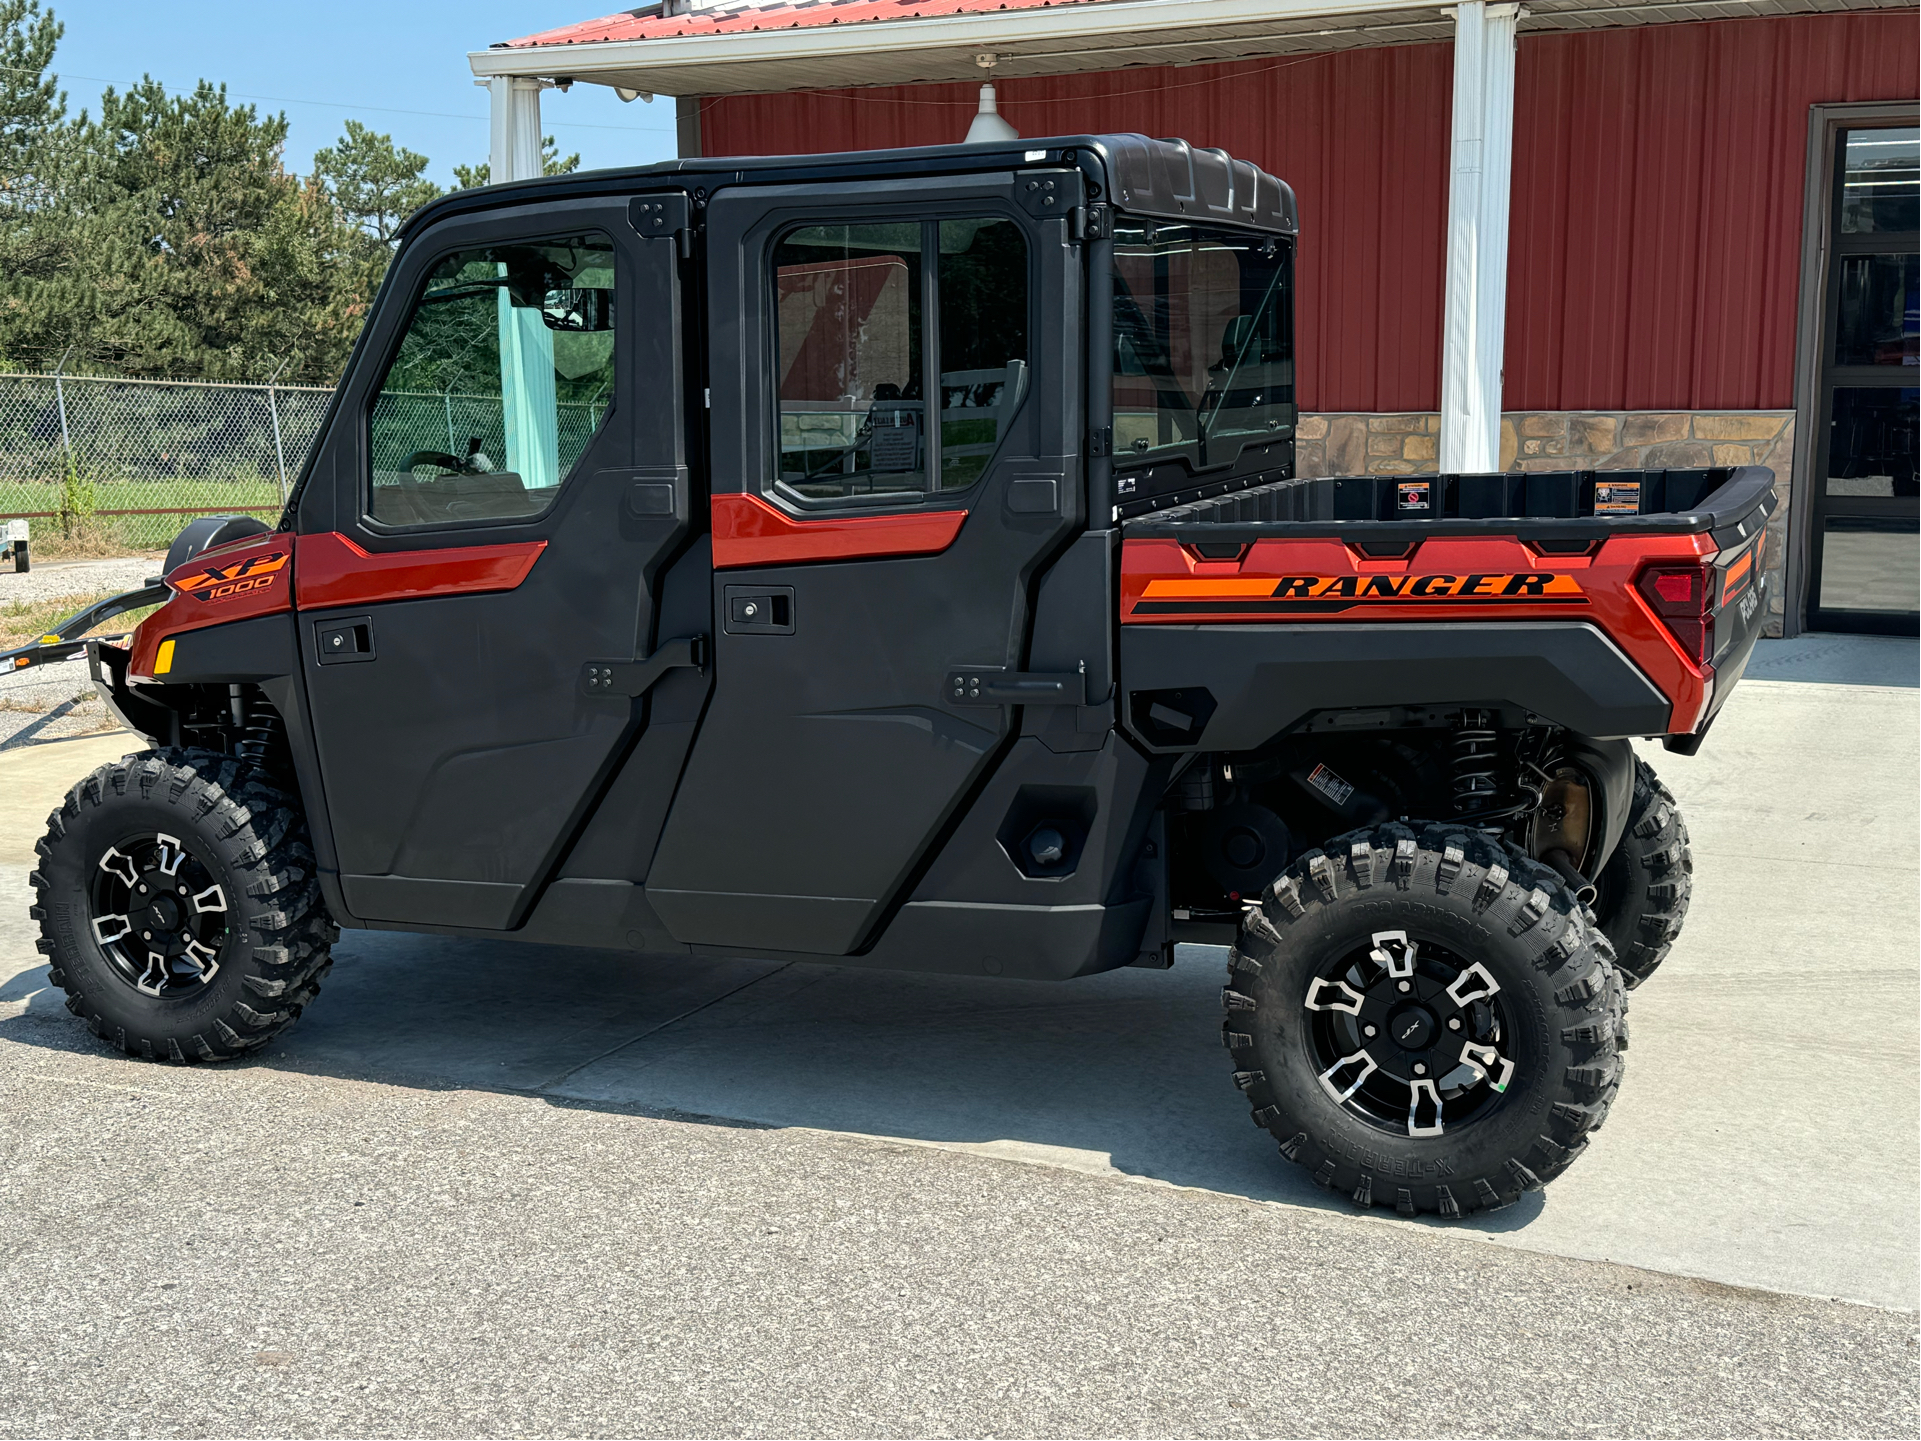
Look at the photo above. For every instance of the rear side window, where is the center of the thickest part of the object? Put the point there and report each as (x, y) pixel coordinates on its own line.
(856, 344)
(504, 374)
(1203, 341)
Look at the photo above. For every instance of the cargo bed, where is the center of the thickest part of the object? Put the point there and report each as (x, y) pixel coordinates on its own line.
(1730, 502)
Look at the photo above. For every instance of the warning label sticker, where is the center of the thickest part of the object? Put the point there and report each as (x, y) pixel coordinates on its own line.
(1413, 495)
(1617, 497)
(1330, 785)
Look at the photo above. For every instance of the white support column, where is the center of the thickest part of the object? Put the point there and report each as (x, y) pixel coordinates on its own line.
(513, 112)
(1482, 165)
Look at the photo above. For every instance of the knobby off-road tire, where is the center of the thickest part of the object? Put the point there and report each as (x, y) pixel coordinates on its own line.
(178, 908)
(1645, 886)
(1488, 926)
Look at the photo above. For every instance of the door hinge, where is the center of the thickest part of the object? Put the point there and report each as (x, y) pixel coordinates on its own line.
(637, 677)
(1100, 440)
(997, 685)
(664, 217)
(1050, 194)
(1090, 222)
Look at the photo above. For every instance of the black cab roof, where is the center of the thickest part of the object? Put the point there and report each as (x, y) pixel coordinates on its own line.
(1164, 179)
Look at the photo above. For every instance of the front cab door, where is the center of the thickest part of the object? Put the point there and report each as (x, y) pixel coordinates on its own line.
(502, 483)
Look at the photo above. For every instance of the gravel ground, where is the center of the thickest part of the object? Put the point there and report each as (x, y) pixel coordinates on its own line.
(54, 702)
(51, 579)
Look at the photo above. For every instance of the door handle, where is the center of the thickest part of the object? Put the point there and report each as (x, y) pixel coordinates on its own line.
(637, 677)
(996, 685)
(341, 642)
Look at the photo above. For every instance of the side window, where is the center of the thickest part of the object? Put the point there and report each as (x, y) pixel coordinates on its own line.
(853, 349)
(503, 376)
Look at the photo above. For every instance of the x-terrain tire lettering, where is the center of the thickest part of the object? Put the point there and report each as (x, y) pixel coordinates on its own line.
(176, 897)
(1425, 1021)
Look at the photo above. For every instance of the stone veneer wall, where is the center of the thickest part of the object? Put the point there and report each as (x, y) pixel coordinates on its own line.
(1409, 443)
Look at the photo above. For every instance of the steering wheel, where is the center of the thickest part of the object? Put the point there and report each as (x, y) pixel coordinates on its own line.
(434, 457)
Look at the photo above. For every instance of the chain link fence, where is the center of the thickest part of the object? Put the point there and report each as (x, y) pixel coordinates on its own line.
(126, 463)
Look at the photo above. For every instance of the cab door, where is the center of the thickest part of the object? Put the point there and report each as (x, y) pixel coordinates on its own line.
(895, 375)
(503, 481)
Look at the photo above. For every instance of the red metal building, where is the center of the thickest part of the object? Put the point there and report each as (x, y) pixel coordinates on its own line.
(1710, 225)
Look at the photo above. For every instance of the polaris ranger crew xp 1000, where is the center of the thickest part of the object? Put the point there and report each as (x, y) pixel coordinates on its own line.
(898, 560)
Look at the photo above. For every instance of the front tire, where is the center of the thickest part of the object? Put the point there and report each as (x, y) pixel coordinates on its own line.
(178, 908)
(1646, 884)
(1425, 1021)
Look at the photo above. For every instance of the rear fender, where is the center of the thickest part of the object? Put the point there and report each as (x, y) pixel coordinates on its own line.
(1609, 766)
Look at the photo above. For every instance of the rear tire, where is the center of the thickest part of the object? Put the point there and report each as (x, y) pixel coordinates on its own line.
(178, 908)
(1475, 1078)
(1645, 887)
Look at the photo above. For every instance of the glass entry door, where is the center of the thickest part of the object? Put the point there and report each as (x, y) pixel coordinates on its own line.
(1865, 563)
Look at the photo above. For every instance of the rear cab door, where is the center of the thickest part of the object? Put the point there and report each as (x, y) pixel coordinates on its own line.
(896, 378)
(502, 482)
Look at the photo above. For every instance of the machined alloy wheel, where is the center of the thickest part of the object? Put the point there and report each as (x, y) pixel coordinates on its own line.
(1408, 1037)
(158, 914)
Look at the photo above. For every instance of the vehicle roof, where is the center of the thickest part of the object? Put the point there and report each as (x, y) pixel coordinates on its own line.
(1167, 179)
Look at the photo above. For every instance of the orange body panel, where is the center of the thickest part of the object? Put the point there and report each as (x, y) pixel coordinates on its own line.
(333, 571)
(749, 531)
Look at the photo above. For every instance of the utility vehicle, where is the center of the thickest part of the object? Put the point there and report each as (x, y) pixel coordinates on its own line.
(897, 560)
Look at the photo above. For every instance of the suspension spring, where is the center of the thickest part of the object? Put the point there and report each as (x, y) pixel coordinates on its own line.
(1475, 755)
(261, 742)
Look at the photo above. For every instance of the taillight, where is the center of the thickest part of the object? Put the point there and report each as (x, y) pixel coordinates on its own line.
(1679, 594)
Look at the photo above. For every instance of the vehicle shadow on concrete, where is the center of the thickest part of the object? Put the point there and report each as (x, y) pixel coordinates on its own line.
(1124, 1070)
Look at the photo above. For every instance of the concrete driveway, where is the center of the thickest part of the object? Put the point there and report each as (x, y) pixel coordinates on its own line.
(492, 1187)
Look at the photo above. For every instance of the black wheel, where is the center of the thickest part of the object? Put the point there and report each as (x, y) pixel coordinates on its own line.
(1642, 892)
(177, 906)
(1425, 1021)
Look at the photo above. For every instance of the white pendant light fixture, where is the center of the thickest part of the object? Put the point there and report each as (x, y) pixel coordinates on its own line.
(988, 127)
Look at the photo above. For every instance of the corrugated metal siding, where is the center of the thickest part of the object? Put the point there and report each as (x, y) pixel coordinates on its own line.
(1656, 237)
(1655, 249)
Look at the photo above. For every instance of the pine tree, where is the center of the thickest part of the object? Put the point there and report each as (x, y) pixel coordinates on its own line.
(32, 109)
(374, 183)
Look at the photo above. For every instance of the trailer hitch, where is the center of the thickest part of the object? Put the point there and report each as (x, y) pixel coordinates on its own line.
(637, 677)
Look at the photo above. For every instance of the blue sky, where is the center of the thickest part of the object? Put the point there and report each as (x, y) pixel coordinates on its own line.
(322, 64)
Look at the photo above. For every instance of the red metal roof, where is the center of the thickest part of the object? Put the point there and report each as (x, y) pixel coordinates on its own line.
(649, 24)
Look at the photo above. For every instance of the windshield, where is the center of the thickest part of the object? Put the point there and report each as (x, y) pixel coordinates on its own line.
(1203, 341)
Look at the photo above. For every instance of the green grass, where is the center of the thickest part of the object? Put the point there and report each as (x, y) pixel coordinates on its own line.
(106, 534)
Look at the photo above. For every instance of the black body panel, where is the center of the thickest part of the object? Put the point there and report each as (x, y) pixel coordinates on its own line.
(254, 650)
(1265, 679)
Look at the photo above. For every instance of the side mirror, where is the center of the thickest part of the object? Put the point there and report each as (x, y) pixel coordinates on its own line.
(578, 309)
